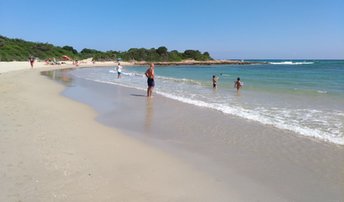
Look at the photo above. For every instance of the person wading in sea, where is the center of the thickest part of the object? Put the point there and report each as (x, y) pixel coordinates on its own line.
(215, 79)
(238, 84)
(150, 79)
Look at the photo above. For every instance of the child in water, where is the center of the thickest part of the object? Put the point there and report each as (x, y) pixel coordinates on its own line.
(215, 79)
(119, 70)
(238, 84)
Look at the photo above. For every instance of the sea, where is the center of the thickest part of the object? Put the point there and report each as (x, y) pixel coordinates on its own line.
(303, 96)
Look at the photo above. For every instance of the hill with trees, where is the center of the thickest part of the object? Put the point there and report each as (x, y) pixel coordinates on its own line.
(21, 50)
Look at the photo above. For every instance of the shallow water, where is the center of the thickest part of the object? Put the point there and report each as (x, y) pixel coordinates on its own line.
(306, 97)
(242, 154)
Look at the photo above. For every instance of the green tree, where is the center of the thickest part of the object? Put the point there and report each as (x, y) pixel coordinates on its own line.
(71, 49)
(18, 49)
(162, 50)
(174, 56)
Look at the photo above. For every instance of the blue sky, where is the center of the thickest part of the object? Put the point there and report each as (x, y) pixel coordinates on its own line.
(243, 29)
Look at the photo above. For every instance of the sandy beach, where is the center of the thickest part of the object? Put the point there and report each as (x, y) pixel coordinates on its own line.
(117, 148)
(24, 65)
(52, 149)
(21, 65)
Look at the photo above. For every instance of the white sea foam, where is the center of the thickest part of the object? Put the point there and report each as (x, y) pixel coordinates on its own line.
(183, 80)
(322, 91)
(291, 63)
(127, 73)
(307, 122)
(275, 120)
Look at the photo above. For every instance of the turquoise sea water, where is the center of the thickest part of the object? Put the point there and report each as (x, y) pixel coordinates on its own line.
(306, 97)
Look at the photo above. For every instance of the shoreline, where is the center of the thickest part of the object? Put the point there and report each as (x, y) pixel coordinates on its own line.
(53, 149)
(20, 65)
(255, 157)
(52, 152)
(24, 65)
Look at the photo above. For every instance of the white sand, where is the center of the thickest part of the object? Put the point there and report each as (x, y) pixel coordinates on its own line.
(51, 149)
(15, 66)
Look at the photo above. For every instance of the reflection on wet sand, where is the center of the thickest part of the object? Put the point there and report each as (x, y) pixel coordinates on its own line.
(149, 114)
(59, 75)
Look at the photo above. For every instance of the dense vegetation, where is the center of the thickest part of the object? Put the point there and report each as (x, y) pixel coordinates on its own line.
(20, 50)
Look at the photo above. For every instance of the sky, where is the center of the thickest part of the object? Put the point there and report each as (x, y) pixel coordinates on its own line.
(227, 29)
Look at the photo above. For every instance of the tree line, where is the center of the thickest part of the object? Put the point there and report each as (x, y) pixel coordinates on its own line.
(21, 50)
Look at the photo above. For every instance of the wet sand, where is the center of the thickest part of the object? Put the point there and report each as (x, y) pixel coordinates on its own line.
(52, 149)
(141, 149)
(260, 162)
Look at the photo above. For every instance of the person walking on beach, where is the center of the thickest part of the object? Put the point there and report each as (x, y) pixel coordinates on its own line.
(238, 84)
(31, 60)
(76, 63)
(215, 79)
(119, 70)
(150, 79)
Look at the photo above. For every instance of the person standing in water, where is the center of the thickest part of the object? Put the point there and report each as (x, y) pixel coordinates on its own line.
(150, 80)
(119, 70)
(215, 79)
(238, 84)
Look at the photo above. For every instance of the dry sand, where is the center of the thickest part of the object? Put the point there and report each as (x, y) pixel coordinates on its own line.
(52, 149)
(15, 66)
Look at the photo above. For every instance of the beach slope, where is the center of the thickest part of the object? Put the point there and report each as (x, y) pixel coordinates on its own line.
(51, 149)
